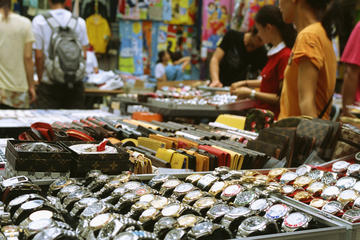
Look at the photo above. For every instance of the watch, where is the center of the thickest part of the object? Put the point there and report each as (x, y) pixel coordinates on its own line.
(340, 166)
(81, 205)
(203, 204)
(135, 235)
(302, 181)
(176, 210)
(231, 191)
(347, 196)
(168, 187)
(125, 202)
(188, 221)
(16, 202)
(147, 197)
(277, 172)
(233, 174)
(261, 205)
(163, 226)
(316, 188)
(159, 202)
(64, 192)
(332, 207)
(176, 234)
(208, 229)
(302, 196)
(352, 215)
(253, 94)
(158, 180)
(222, 170)
(193, 196)
(142, 190)
(232, 219)
(277, 212)
(346, 182)
(330, 193)
(193, 179)
(42, 214)
(137, 208)
(55, 233)
(98, 183)
(108, 188)
(91, 176)
(217, 212)
(14, 181)
(303, 170)
(73, 197)
(356, 204)
(256, 225)
(19, 189)
(149, 217)
(182, 189)
(353, 170)
(295, 221)
(100, 221)
(245, 198)
(132, 185)
(316, 174)
(119, 224)
(318, 203)
(288, 177)
(94, 209)
(37, 226)
(115, 195)
(357, 186)
(207, 181)
(29, 207)
(59, 184)
(217, 188)
(287, 189)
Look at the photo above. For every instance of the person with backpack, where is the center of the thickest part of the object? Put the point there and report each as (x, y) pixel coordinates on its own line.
(60, 51)
(16, 65)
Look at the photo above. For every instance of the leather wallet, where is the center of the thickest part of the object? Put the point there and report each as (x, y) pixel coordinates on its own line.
(234, 157)
(168, 142)
(223, 158)
(150, 143)
(178, 160)
(165, 154)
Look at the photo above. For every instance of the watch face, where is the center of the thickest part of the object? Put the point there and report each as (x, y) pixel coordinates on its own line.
(288, 177)
(70, 189)
(193, 195)
(318, 203)
(316, 174)
(347, 196)
(42, 214)
(253, 223)
(259, 205)
(128, 197)
(32, 204)
(175, 234)
(205, 202)
(149, 212)
(160, 178)
(287, 189)
(183, 188)
(357, 203)
(218, 210)
(171, 210)
(296, 220)
(77, 194)
(330, 192)
(167, 222)
(141, 191)
(130, 186)
(202, 228)
(87, 201)
(302, 196)
(39, 225)
(217, 187)
(118, 191)
(277, 211)
(172, 183)
(186, 221)
(93, 209)
(340, 166)
(232, 190)
(302, 181)
(206, 180)
(303, 170)
(332, 207)
(316, 187)
(140, 205)
(19, 200)
(277, 172)
(357, 186)
(239, 211)
(193, 178)
(346, 182)
(353, 169)
(245, 198)
(14, 180)
(159, 202)
(100, 220)
(147, 198)
(352, 215)
(126, 236)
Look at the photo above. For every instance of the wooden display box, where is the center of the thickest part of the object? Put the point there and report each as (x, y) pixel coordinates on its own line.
(38, 161)
(109, 163)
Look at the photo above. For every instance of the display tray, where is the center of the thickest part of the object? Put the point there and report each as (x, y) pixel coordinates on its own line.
(109, 163)
(39, 161)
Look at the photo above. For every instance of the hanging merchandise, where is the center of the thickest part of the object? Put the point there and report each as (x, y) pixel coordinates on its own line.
(215, 21)
(147, 45)
(131, 48)
(88, 8)
(183, 12)
(156, 10)
(167, 10)
(238, 14)
(98, 32)
(252, 8)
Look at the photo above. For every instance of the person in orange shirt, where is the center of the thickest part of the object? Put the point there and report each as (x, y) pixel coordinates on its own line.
(310, 76)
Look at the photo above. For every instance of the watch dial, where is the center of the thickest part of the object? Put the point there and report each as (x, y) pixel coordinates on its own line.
(316, 174)
(126, 236)
(244, 198)
(19, 200)
(77, 194)
(92, 209)
(119, 191)
(187, 220)
(348, 195)
(70, 188)
(205, 180)
(315, 187)
(295, 220)
(332, 207)
(202, 228)
(302, 180)
(253, 223)
(353, 169)
(132, 185)
(160, 178)
(59, 183)
(259, 205)
(193, 194)
(330, 192)
(159, 202)
(171, 210)
(232, 190)
(39, 225)
(287, 189)
(239, 211)
(184, 187)
(317, 202)
(32, 204)
(175, 234)
(303, 170)
(171, 183)
(346, 182)
(353, 213)
(288, 177)
(149, 212)
(357, 203)
(42, 214)
(100, 220)
(277, 211)
(147, 198)
(340, 166)
(141, 191)
(193, 178)
(218, 186)
(128, 196)
(166, 221)
(88, 201)
(205, 202)
(219, 210)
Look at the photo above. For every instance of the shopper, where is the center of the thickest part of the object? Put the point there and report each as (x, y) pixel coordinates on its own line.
(281, 36)
(170, 66)
(310, 76)
(59, 70)
(238, 56)
(351, 57)
(16, 64)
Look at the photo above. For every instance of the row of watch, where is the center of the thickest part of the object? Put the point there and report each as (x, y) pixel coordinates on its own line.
(336, 192)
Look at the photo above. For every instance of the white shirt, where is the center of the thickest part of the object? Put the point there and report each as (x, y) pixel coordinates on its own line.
(42, 31)
(91, 62)
(159, 70)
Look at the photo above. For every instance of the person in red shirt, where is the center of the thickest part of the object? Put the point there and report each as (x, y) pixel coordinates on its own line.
(281, 36)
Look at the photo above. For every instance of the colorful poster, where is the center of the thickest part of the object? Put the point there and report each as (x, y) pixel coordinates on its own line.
(252, 8)
(183, 12)
(216, 17)
(156, 10)
(154, 46)
(147, 46)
